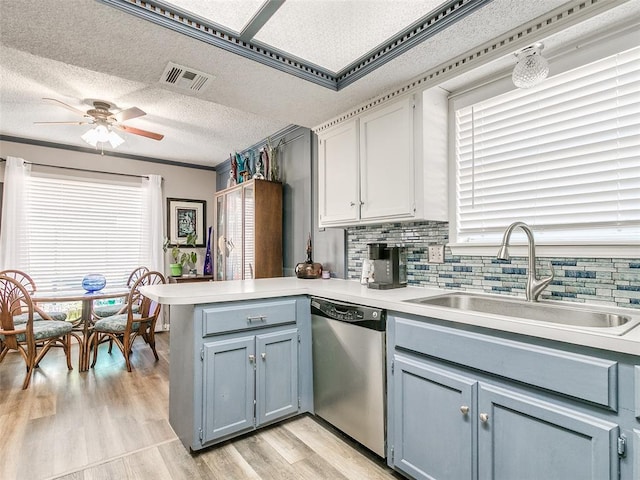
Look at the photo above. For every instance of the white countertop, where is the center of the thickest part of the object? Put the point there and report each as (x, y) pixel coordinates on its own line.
(394, 300)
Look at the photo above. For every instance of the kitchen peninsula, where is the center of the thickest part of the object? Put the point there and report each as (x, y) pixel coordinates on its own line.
(392, 300)
(578, 389)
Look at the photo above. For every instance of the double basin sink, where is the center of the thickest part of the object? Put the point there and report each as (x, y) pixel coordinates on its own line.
(566, 316)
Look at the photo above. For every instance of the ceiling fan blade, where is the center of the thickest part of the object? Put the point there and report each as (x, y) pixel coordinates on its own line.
(61, 123)
(128, 114)
(68, 107)
(137, 131)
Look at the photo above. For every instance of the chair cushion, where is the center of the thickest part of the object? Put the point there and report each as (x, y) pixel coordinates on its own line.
(105, 311)
(115, 324)
(46, 329)
(59, 316)
(22, 318)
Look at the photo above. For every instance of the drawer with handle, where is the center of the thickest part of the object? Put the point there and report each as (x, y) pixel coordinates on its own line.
(238, 316)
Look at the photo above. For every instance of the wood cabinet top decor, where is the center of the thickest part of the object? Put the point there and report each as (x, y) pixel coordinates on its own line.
(248, 240)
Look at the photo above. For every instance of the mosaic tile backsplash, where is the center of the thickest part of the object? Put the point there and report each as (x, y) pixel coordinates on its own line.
(610, 281)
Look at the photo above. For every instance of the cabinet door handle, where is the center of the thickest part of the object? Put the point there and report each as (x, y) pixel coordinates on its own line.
(263, 355)
(484, 417)
(256, 318)
(252, 358)
(464, 409)
(352, 204)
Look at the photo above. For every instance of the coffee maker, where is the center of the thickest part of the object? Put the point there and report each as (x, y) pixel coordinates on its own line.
(389, 266)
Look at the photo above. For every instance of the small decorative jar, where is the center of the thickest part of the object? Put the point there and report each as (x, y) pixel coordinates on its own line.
(93, 282)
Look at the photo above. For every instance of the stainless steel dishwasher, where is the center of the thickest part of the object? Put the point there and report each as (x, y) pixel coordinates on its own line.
(349, 379)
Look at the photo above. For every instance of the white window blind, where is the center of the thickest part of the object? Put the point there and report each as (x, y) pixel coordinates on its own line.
(76, 227)
(563, 157)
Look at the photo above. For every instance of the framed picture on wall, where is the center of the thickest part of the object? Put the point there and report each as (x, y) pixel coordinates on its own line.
(185, 216)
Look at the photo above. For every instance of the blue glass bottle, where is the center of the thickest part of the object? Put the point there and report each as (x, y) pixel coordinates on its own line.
(208, 264)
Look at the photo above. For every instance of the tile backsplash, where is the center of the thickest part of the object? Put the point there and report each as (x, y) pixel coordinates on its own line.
(611, 281)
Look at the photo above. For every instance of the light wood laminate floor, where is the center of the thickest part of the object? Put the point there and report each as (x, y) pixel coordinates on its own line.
(110, 424)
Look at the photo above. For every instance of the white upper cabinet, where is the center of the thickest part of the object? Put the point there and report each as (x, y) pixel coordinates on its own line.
(388, 164)
(338, 193)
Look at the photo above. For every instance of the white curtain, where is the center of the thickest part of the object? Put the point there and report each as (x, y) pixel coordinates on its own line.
(13, 232)
(153, 231)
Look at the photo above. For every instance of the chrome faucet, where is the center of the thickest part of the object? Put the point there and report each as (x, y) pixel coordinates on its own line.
(534, 286)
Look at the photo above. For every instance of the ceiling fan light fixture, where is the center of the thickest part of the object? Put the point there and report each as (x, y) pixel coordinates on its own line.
(115, 140)
(102, 134)
(531, 67)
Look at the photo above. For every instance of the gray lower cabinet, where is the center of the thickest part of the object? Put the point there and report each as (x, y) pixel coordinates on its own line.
(451, 419)
(525, 438)
(236, 366)
(432, 418)
(249, 381)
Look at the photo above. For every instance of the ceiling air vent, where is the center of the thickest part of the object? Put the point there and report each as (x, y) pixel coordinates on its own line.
(185, 78)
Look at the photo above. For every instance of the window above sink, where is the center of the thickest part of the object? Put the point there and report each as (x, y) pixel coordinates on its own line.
(562, 156)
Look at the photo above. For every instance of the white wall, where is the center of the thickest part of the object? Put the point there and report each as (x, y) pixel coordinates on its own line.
(178, 182)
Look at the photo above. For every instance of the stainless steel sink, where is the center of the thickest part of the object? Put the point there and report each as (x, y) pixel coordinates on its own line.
(572, 316)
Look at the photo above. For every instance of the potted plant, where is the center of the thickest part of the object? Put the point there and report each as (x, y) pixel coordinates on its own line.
(180, 258)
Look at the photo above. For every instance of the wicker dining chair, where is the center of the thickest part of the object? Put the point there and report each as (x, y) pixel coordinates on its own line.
(27, 282)
(32, 339)
(124, 328)
(21, 317)
(104, 311)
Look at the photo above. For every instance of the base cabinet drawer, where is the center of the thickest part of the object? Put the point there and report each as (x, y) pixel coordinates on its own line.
(249, 315)
(448, 425)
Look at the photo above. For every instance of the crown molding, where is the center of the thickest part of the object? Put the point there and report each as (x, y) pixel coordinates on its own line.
(567, 15)
(187, 23)
(93, 151)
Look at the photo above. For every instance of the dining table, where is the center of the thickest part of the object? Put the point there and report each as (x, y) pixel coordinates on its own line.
(83, 324)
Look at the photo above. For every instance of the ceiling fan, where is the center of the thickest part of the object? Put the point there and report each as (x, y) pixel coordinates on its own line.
(104, 122)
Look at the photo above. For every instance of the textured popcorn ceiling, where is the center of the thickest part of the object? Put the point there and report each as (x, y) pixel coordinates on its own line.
(75, 50)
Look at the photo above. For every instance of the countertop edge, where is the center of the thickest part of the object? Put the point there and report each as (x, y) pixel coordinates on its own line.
(393, 300)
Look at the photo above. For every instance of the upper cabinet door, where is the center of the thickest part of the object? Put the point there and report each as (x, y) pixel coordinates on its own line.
(338, 196)
(387, 162)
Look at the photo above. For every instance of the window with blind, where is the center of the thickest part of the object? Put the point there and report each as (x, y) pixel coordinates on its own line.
(78, 226)
(563, 157)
